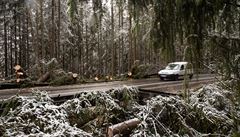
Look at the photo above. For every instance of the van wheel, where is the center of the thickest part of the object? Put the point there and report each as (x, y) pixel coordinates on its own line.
(161, 78)
(176, 77)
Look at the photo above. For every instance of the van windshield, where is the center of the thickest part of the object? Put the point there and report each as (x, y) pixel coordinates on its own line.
(172, 67)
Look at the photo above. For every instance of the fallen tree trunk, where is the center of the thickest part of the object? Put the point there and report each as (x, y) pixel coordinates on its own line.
(9, 85)
(44, 77)
(40, 84)
(123, 127)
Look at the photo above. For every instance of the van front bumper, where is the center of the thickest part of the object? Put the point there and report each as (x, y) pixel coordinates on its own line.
(167, 76)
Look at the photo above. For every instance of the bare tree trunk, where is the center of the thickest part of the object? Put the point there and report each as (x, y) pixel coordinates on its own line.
(15, 39)
(87, 48)
(82, 45)
(106, 70)
(100, 47)
(24, 35)
(135, 34)
(112, 41)
(63, 57)
(130, 56)
(119, 39)
(20, 40)
(79, 43)
(122, 41)
(58, 31)
(27, 42)
(5, 45)
(11, 51)
(52, 36)
(42, 52)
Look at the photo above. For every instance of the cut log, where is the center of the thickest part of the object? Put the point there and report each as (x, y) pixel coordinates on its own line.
(74, 75)
(17, 67)
(123, 127)
(129, 74)
(18, 80)
(96, 79)
(44, 77)
(20, 73)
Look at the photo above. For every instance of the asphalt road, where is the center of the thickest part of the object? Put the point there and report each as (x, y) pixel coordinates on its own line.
(151, 84)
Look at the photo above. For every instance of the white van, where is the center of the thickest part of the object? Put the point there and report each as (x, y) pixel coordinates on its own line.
(176, 70)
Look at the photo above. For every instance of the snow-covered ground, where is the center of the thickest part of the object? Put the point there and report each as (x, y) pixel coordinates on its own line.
(211, 110)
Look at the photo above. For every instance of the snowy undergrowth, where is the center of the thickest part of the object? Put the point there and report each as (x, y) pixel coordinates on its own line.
(37, 116)
(87, 115)
(210, 111)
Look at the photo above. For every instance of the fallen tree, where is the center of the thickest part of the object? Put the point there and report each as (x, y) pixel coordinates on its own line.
(44, 77)
(144, 70)
(45, 73)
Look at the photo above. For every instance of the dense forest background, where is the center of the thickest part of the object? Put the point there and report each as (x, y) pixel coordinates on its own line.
(105, 37)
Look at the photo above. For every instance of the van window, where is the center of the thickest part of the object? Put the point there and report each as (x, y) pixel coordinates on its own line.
(172, 67)
(182, 67)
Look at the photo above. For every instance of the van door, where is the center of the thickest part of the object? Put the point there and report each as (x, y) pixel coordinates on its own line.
(182, 71)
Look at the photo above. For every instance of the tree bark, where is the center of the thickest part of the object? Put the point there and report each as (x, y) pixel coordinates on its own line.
(5, 45)
(11, 51)
(130, 53)
(15, 39)
(44, 78)
(123, 127)
(58, 31)
(112, 41)
(52, 35)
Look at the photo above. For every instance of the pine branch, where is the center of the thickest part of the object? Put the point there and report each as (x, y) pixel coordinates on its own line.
(233, 4)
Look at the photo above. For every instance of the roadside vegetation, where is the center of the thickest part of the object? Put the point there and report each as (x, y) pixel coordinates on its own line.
(211, 111)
